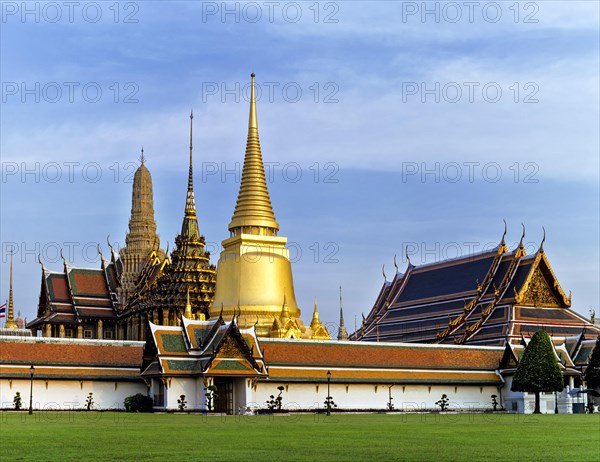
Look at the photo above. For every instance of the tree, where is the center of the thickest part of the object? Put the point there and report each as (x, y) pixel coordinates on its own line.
(592, 373)
(89, 402)
(182, 403)
(495, 402)
(17, 401)
(211, 396)
(443, 402)
(538, 369)
(275, 402)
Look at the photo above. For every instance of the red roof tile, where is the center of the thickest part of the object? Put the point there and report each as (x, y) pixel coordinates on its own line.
(363, 354)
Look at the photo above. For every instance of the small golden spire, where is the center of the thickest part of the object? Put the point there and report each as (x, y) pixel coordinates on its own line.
(342, 332)
(10, 319)
(253, 208)
(316, 321)
(188, 305)
(142, 158)
(285, 312)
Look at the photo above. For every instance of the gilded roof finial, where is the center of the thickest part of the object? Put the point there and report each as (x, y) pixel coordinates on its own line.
(522, 236)
(395, 264)
(253, 209)
(543, 240)
(521, 247)
(142, 158)
(10, 319)
(40, 262)
(63, 258)
(407, 257)
(383, 272)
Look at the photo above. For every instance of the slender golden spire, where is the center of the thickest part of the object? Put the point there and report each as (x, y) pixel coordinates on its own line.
(189, 229)
(342, 332)
(188, 305)
(285, 312)
(316, 321)
(10, 319)
(253, 208)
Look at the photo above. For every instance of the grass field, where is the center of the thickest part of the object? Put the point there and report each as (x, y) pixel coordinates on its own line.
(378, 437)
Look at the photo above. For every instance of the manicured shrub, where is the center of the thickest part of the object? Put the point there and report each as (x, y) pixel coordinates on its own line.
(138, 403)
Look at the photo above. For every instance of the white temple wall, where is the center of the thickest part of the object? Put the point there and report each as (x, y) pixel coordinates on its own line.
(68, 394)
(182, 386)
(376, 396)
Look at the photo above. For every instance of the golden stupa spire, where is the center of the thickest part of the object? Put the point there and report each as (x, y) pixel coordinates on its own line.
(253, 210)
(189, 229)
(10, 319)
(316, 321)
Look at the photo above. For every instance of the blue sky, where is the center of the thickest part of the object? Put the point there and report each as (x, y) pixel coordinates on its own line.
(407, 129)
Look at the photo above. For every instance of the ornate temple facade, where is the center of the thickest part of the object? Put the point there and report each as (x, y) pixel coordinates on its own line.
(227, 337)
(492, 298)
(143, 284)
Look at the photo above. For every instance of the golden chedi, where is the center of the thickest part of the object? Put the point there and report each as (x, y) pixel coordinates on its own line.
(254, 273)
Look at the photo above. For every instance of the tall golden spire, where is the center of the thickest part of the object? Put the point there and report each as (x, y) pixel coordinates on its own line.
(141, 238)
(10, 319)
(189, 228)
(253, 211)
(342, 332)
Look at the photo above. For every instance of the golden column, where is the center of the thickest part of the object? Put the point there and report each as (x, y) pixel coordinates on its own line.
(254, 272)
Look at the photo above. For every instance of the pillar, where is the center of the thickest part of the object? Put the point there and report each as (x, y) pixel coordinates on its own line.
(80, 331)
(48, 328)
(99, 330)
(61, 331)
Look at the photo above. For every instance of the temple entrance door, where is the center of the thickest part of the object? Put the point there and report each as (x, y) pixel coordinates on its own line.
(224, 398)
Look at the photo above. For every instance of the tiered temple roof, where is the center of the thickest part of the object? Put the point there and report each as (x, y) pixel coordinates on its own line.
(77, 295)
(215, 348)
(487, 299)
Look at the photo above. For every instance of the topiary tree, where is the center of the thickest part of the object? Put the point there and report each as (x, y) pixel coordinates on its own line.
(443, 402)
(538, 369)
(495, 402)
(182, 403)
(275, 402)
(89, 402)
(211, 396)
(592, 373)
(17, 401)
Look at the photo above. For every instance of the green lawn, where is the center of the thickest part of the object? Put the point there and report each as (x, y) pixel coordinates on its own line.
(377, 437)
